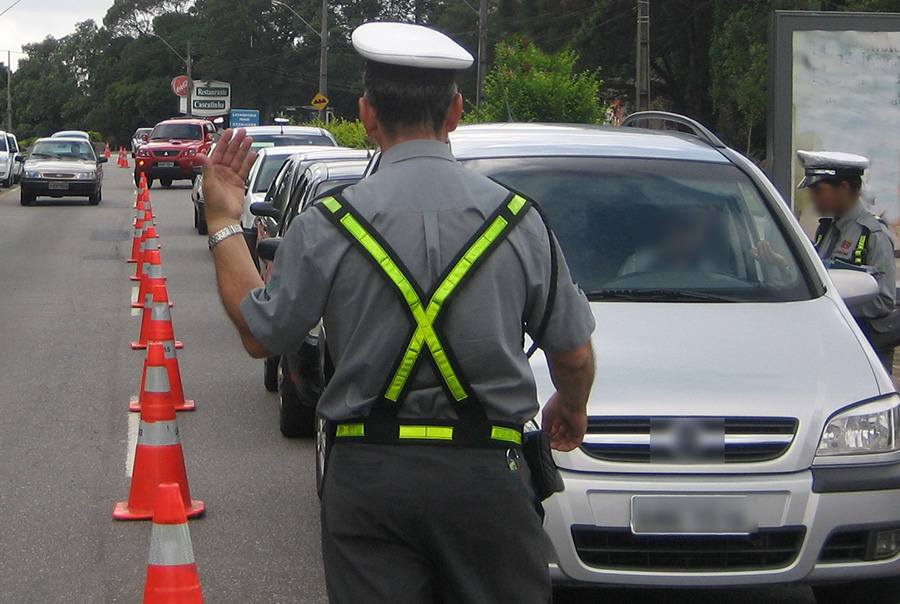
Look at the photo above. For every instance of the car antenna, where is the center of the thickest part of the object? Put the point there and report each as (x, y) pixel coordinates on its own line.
(281, 121)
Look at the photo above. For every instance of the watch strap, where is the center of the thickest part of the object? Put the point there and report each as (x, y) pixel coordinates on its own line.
(223, 234)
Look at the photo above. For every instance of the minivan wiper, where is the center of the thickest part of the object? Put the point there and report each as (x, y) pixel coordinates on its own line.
(655, 295)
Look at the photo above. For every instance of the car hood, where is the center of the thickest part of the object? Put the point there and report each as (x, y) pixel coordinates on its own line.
(800, 360)
(172, 143)
(48, 165)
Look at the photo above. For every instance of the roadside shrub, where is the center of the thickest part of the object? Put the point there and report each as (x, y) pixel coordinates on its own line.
(348, 133)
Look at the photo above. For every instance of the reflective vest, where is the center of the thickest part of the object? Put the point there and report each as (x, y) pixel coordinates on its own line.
(859, 254)
(472, 427)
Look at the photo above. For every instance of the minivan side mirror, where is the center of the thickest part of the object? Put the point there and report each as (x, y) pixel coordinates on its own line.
(263, 208)
(20, 158)
(855, 287)
(102, 159)
(266, 248)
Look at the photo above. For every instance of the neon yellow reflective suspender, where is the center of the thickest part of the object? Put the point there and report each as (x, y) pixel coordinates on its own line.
(859, 256)
(425, 316)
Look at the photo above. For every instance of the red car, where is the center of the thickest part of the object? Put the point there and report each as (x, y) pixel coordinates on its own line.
(170, 152)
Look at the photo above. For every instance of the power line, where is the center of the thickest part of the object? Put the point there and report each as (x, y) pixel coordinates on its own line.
(9, 8)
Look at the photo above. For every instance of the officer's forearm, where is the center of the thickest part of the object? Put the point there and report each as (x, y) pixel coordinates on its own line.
(573, 375)
(237, 276)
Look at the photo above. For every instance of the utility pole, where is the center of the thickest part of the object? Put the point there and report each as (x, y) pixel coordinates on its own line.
(190, 76)
(323, 57)
(482, 52)
(642, 76)
(8, 91)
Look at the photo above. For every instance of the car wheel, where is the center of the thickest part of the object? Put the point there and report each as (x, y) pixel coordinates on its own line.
(270, 373)
(202, 227)
(196, 218)
(295, 420)
(26, 197)
(870, 591)
(149, 183)
(166, 182)
(323, 448)
(137, 179)
(7, 182)
(95, 198)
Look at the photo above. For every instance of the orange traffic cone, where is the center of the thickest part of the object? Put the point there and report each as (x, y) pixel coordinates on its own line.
(150, 243)
(161, 333)
(172, 576)
(125, 163)
(137, 235)
(158, 457)
(106, 151)
(160, 297)
(151, 277)
(142, 181)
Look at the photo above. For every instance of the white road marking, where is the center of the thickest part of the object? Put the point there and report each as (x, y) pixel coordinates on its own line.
(136, 312)
(135, 290)
(134, 423)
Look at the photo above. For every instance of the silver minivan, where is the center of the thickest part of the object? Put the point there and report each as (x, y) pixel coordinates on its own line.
(741, 429)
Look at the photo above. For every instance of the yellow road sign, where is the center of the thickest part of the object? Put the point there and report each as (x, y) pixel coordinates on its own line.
(320, 101)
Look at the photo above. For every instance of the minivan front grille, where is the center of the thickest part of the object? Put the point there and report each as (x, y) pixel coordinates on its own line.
(619, 549)
(166, 152)
(727, 440)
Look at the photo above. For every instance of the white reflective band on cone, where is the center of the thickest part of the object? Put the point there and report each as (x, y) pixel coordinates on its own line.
(158, 434)
(169, 349)
(161, 311)
(170, 545)
(155, 271)
(157, 380)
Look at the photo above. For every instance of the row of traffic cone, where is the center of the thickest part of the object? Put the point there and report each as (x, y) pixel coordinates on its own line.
(159, 483)
(122, 162)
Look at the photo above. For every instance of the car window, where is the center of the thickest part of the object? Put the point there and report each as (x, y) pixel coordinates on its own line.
(266, 172)
(12, 144)
(3, 146)
(184, 132)
(282, 186)
(62, 150)
(261, 141)
(659, 230)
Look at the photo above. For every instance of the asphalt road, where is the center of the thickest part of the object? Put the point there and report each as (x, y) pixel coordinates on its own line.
(67, 373)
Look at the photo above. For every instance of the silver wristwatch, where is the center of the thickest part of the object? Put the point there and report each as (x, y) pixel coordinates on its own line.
(220, 236)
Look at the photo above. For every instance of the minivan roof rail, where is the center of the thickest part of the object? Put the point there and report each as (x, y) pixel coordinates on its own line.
(696, 128)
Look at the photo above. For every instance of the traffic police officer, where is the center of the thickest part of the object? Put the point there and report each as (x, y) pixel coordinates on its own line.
(848, 233)
(427, 276)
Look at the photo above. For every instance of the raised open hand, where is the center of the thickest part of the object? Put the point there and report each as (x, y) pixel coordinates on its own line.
(225, 173)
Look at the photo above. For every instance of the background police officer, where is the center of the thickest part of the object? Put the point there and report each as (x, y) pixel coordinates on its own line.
(849, 233)
(428, 275)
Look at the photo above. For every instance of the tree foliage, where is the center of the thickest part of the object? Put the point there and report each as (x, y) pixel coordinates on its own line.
(529, 85)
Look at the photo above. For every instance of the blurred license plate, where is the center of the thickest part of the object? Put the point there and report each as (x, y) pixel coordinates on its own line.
(694, 515)
(166, 164)
(59, 186)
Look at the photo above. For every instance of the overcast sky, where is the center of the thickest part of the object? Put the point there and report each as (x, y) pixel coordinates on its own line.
(34, 20)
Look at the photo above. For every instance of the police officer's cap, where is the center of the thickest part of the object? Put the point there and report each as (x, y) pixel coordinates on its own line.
(824, 165)
(409, 53)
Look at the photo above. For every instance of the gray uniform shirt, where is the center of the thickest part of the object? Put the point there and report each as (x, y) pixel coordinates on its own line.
(840, 242)
(426, 206)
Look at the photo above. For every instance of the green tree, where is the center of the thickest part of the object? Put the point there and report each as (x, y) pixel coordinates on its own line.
(529, 85)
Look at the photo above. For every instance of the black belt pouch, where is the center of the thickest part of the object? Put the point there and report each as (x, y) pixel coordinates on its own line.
(545, 476)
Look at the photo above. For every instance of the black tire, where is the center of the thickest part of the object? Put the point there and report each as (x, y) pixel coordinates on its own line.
(270, 373)
(196, 218)
(324, 440)
(149, 183)
(166, 182)
(8, 181)
(202, 227)
(137, 179)
(295, 420)
(869, 591)
(26, 197)
(96, 198)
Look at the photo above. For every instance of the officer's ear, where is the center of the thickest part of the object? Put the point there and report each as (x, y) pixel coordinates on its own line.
(454, 113)
(369, 119)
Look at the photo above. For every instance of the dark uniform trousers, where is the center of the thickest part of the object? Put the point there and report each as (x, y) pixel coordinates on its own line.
(431, 525)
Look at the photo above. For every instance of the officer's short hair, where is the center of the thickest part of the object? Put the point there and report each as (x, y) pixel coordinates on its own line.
(409, 104)
(854, 181)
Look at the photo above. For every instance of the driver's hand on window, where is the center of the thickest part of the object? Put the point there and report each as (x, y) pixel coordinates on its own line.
(764, 253)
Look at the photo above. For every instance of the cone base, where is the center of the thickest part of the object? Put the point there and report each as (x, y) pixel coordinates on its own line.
(138, 346)
(188, 405)
(133, 278)
(131, 260)
(123, 512)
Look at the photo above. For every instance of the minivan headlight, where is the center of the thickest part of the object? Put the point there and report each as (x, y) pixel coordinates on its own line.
(86, 175)
(872, 427)
(30, 174)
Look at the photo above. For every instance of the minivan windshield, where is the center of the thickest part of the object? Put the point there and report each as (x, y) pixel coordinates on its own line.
(659, 230)
(62, 149)
(267, 171)
(294, 140)
(181, 132)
